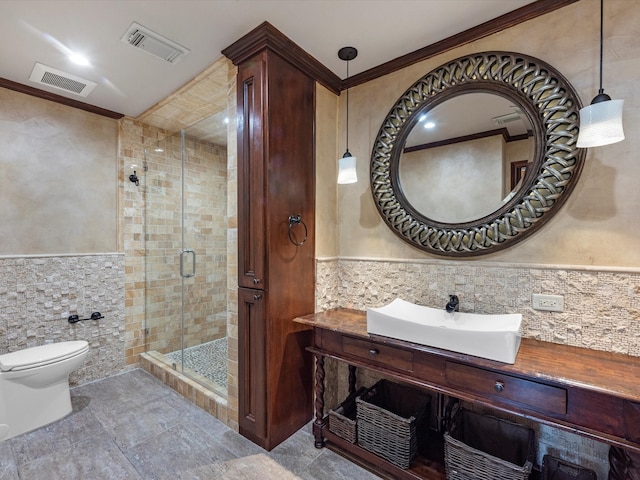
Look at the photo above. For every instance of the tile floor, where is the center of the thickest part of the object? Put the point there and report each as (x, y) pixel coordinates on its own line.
(132, 426)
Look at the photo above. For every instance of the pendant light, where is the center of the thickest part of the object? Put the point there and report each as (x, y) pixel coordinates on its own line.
(347, 164)
(601, 122)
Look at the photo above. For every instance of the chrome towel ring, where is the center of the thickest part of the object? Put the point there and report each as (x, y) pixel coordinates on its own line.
(293, 221)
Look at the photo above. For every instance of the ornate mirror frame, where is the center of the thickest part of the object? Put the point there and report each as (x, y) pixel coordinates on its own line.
(552, 106)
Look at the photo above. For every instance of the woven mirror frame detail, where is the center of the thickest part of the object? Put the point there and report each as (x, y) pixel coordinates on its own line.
(552, 106)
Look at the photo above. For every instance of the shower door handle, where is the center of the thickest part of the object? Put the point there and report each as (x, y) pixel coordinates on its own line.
(193, 263)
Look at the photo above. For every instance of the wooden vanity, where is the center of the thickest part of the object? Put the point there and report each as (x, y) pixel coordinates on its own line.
(589, 392)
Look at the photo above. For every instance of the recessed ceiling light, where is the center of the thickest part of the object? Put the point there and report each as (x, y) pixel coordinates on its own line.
(429, 125)
(78, 59)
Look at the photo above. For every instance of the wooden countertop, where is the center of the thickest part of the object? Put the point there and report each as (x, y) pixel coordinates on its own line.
(609, 373)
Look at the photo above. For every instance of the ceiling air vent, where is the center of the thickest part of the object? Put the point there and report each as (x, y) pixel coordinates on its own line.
(509, 117)
(153, 43)
(51, 77)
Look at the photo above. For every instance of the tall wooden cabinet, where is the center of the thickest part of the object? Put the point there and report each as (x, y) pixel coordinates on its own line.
(276, 278)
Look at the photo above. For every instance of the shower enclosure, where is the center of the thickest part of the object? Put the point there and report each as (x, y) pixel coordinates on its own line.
(185, 179)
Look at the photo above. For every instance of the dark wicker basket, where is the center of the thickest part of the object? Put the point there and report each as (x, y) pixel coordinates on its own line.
(557, 469)
(390, 417)
(482, 447)
(342, 419)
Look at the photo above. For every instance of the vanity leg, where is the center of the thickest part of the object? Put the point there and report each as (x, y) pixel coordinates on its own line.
(320, 422)
(352, 379)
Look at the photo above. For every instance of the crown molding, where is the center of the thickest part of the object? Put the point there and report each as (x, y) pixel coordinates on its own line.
(36, 92)
(522, 14)
(266, 36)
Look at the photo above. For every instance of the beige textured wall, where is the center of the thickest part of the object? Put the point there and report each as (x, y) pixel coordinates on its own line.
(327, 143)
(599, 223)
(58, 182)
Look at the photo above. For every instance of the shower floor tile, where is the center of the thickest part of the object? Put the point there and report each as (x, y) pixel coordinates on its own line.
(207, 359)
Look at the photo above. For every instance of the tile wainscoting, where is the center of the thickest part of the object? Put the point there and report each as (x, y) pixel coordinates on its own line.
(601, 306)
(39, 293)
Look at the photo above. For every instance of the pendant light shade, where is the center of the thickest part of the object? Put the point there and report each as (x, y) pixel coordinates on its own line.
(347, 164)
(601, 122)
(347, 169)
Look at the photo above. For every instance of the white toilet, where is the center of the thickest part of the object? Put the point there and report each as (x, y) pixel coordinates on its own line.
(34, 385)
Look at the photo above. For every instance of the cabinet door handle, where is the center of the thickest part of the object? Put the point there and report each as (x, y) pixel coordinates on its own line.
(256, 281)
(257, 296)
(499, 387)
(373, 352)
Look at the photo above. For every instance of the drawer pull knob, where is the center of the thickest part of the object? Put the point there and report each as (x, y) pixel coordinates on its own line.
(499, 387)
(256, 281)
(373, 352)
(257, 296)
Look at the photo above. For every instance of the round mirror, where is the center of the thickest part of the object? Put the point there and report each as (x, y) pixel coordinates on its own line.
(477, 154)
(481, 142)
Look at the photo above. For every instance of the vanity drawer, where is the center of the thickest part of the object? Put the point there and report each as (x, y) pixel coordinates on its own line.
(384, 355)
(529, 394)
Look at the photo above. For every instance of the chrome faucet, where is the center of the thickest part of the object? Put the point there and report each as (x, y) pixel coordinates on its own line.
(453, 305)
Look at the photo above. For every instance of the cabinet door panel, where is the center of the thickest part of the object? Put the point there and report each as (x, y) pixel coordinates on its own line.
(251, 363)
(251, 194)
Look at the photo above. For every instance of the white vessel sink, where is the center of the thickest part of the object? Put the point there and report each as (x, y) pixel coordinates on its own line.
(496, 337)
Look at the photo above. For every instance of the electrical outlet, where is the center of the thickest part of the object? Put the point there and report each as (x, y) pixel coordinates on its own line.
(549, 303)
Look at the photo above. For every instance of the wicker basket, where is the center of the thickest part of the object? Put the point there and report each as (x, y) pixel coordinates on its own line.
(390, 417)
(342, 419)
(557, 469)
(479, 447)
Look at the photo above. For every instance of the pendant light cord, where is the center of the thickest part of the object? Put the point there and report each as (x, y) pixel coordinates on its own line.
(601, 90)
(348, 107)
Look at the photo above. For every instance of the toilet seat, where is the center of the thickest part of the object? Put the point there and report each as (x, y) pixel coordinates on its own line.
(41, 355)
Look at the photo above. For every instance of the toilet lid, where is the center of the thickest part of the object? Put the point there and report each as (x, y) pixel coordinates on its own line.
(41, 355)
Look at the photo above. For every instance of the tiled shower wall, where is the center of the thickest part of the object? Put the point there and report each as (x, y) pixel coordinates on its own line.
(602, 312)
(205, 225)
(154, 209)
(39, 293)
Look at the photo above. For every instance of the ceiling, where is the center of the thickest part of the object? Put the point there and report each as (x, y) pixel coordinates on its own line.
(130, 81)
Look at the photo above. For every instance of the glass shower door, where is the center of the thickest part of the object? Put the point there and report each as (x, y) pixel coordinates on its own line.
(186, 254)
(163, 242)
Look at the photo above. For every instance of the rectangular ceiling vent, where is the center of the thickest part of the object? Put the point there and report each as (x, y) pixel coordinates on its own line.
(154, 43)
(51, 77)
(509, 117)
